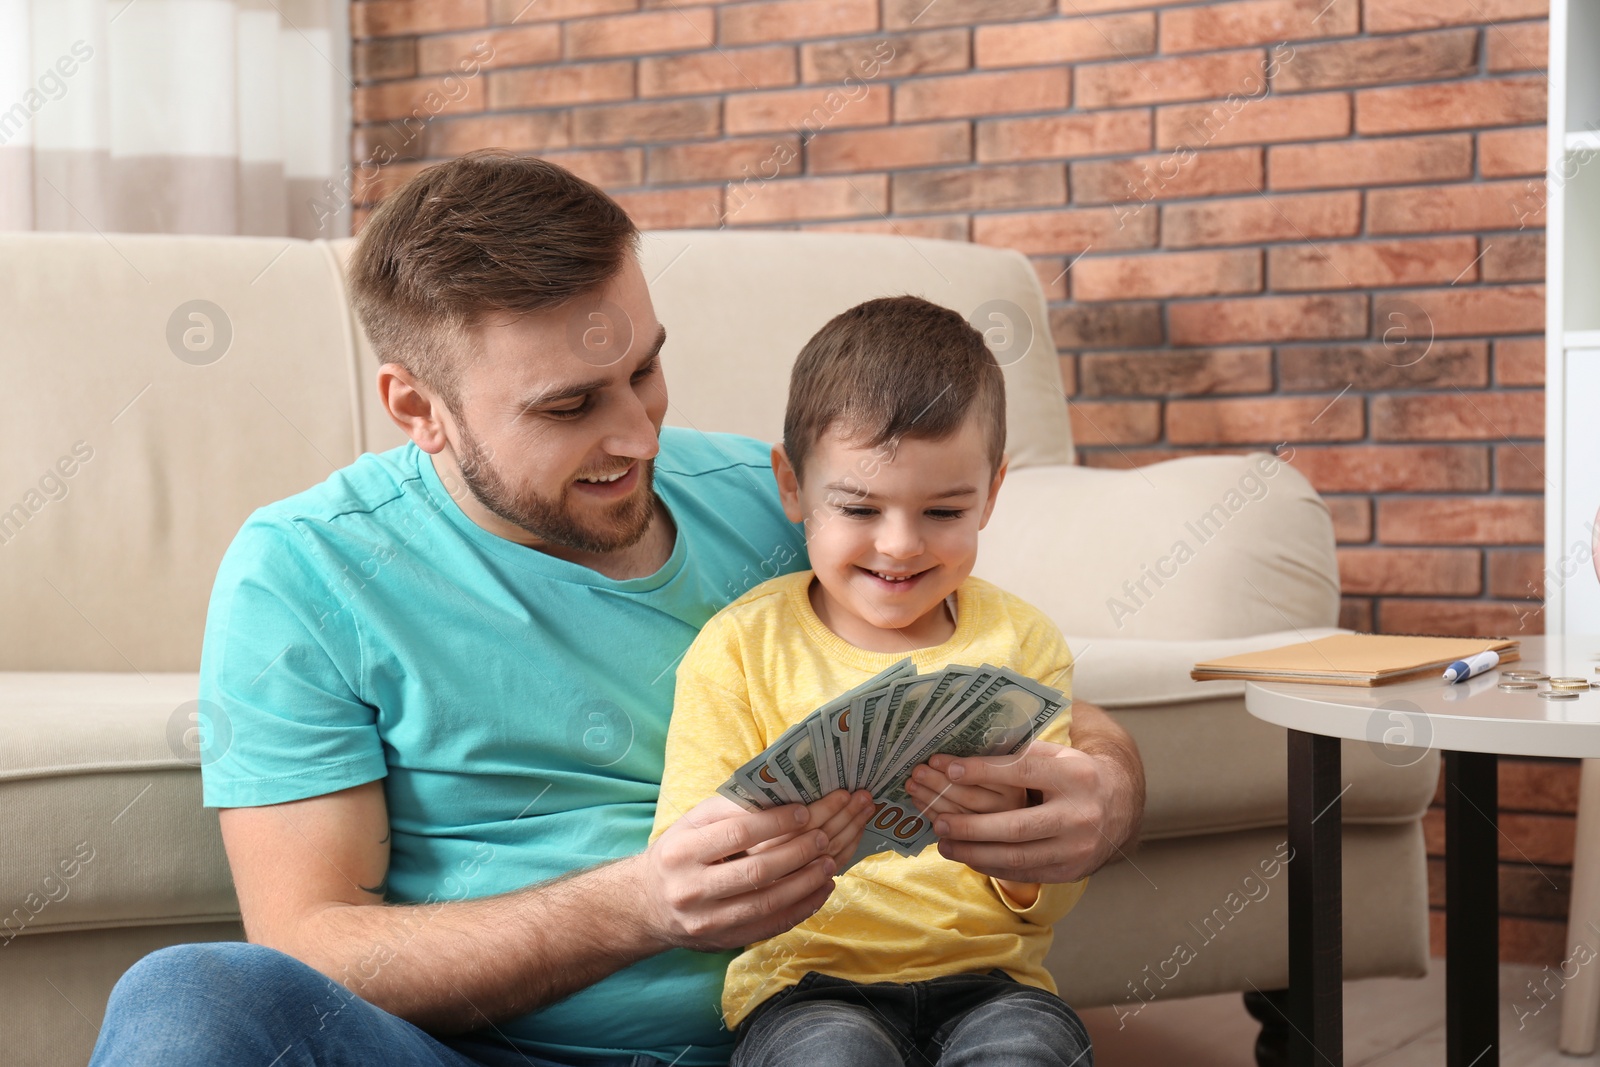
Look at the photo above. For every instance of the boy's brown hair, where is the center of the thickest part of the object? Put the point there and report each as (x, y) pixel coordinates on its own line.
(484, 234)
(895, 367)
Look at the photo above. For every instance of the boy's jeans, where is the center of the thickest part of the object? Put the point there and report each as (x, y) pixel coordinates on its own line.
(961, 1020)
(248, 1005)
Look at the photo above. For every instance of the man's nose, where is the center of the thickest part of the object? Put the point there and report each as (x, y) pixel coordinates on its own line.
(633, 433)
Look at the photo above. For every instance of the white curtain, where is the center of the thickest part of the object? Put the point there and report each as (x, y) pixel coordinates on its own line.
(175, 116)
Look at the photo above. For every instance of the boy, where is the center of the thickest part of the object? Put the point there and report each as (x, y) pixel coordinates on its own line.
(892, 455)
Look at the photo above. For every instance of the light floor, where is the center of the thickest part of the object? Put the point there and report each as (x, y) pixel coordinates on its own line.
(1388, 1022)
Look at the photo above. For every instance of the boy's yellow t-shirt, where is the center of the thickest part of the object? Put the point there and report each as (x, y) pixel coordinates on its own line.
(765, 662)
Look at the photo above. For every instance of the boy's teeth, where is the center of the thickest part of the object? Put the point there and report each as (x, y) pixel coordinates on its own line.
(894, 577)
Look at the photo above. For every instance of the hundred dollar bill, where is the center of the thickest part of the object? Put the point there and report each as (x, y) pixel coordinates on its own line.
(758, 785)
(841, 725)
(926, 713)
(838, 727)
(875, 719)
(896, 714)
(828, 777)
(753, 780)
(906, 713)
(1007, 684)
(748, 796)
(872, 736)
(1002, 722)
(866, 708)
(797, 761)
(755, 788)
(784, 785)
(967, 684)
(760, 759)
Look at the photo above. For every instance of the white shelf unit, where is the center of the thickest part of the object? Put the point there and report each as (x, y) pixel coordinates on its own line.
(1572, 324)
(1572, 431)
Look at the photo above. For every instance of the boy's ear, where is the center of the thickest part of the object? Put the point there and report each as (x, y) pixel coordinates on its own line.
(788, 484)
(994, 490)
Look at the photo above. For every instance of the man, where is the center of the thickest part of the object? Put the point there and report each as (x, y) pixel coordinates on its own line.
(447, 674)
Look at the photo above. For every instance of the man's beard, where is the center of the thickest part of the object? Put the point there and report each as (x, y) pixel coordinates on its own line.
(550, 520)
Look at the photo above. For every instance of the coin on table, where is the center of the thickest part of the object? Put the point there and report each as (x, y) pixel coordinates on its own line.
(1512, 687)
(1525, 676)
(1571, 686)
(1559, 694)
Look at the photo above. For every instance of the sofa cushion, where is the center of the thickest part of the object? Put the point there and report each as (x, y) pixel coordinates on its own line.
(1212, 767)
(1208, 915)
(104, 764)
(100, 815)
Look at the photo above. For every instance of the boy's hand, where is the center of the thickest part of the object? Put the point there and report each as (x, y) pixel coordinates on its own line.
(842, 816)
(936, 794)
(1092, 797)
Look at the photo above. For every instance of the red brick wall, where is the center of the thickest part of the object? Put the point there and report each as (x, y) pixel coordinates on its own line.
(1305, 222)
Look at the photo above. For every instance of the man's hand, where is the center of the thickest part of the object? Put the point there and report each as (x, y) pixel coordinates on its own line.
(722, 877)
(1091, 800)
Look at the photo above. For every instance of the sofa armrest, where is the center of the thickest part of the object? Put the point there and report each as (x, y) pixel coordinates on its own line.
(1115, 672)
(1200, 548)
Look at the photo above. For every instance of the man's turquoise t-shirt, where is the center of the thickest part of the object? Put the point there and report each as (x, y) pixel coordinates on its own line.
(514, 704)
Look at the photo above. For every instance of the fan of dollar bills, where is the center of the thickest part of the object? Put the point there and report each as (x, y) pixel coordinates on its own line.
(873, 737)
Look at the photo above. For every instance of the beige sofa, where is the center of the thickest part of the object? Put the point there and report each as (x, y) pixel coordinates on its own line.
(140, 437)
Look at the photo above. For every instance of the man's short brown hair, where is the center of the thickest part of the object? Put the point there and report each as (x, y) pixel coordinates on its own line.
(485, 234)
(890, 368)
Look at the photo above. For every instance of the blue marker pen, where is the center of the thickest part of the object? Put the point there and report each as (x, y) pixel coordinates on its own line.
(1462, 669)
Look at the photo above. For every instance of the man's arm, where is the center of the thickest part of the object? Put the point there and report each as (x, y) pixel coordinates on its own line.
(1092, 803)
(309, 876)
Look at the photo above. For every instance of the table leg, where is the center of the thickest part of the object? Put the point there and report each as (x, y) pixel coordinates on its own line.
(1316, 904)
(1472, 910)
(1581, 1006)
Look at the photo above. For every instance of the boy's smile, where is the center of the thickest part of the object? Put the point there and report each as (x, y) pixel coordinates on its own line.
(891, 531)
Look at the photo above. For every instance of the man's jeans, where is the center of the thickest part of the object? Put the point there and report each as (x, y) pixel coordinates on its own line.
(252, 1006)
(962, 1020)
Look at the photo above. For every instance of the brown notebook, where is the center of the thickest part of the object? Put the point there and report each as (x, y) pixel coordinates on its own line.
(1352, 659)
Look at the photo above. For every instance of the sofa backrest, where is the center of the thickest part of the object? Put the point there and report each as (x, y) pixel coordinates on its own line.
(164, 387)
(738, 306)
(161, 389)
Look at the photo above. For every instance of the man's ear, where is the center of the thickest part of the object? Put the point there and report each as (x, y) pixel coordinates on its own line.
(788, 484)
(413, 407)
(994, 491)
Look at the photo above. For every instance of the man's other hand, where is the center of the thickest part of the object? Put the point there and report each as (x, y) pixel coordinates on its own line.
(722, 877)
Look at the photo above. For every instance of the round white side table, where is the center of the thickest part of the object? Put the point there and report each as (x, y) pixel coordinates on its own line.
(1473, 722)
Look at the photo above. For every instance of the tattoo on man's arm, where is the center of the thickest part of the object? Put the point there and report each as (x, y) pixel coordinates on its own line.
(382, 887)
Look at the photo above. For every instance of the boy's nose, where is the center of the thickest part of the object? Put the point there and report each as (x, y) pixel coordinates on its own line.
(900, 540)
